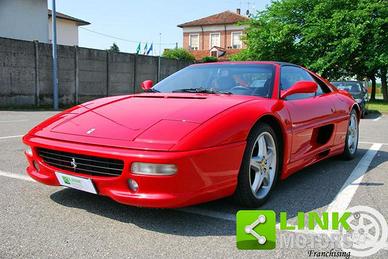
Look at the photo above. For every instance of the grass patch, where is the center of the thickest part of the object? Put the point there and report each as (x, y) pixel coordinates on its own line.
(378, 105)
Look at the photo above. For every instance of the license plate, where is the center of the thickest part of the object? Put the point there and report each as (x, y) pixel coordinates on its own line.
(79, 183)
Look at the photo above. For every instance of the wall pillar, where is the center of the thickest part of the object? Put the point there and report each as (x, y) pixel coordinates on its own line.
(107, 74)
(37, 87)
(134, 74)
(76, 77)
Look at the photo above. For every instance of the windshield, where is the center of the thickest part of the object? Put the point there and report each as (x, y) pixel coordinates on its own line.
(241, 79)
(352, 87)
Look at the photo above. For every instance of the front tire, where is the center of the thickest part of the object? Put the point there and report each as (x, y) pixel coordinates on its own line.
(260, 167)
(351, 140)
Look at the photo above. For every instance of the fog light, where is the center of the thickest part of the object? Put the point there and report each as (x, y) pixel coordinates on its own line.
(133, 185)
(28, 150)
(153, 169)
(36, 165)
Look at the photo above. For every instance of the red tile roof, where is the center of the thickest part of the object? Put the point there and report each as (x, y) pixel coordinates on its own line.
(226, 17)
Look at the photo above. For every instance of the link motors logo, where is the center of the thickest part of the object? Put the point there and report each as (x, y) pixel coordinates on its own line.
(368, 233)
(256, 229)
(360, 231)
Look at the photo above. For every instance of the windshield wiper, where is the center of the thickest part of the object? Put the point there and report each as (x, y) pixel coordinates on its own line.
(200, 90)
(151, 90)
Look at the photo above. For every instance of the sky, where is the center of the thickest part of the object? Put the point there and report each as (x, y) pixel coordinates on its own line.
(132, 21)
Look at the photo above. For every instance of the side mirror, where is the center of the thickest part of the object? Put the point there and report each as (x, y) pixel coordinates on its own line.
(147, 85)
(300, 87)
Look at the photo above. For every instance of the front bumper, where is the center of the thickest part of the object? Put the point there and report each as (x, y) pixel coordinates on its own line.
(203, 175)
(364, 108)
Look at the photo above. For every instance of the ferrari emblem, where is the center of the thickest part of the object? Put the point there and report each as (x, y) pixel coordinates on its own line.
(73, 163)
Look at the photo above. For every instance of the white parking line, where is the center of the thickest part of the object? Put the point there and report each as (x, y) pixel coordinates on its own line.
(349, 188)
(8, 137)
(371, 143)
(16, 176)
(12, 121)
(345, 195)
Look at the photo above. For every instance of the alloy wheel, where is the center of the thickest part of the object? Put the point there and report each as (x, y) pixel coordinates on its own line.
(262, 165)
(352, 133)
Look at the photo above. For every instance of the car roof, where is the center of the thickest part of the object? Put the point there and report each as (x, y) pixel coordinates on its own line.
(347, 81)
(248, 62)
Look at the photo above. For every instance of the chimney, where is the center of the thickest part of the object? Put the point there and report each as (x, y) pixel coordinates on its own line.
(238, 11)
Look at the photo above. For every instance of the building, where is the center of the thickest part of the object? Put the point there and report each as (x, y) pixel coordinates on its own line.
(30, 20)
(24, 19)
(67, 28)
(217, 35)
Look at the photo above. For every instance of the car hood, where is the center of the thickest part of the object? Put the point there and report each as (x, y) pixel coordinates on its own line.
(144, 121)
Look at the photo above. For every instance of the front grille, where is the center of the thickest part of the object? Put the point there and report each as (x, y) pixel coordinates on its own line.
(83, 164)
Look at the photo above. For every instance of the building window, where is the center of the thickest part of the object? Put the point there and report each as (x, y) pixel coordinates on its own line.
(236, 40)
(194, 41)
(215, 40)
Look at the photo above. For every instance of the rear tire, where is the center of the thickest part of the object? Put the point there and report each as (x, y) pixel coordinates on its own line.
(352, 135)
(259, 168)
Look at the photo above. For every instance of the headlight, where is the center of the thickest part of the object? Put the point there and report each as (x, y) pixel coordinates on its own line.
(359, 100)
(153, 169)
(28, 150)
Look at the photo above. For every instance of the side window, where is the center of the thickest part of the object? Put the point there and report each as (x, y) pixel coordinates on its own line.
(289, 75)
(322, 87)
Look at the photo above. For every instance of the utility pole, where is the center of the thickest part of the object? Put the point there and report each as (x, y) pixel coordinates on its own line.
(160, 44)
(160, 54)
(54, 55)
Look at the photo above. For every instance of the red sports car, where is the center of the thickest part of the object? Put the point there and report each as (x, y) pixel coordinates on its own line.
(206, 132)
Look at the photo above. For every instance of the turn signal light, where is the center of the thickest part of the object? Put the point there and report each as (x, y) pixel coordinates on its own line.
(28, 150)
(153, 169)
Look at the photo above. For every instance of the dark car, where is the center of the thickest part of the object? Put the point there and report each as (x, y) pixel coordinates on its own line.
(357, 90)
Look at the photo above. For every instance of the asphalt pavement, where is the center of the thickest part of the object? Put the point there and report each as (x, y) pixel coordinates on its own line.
(38, 221)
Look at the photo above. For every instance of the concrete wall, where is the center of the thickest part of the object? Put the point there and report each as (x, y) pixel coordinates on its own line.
(83, 74)
(24, 19)
(17, 72)
(67, 32)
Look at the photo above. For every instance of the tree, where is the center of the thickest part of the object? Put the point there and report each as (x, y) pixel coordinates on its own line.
(178, 53)
(209, 59)
(114, 48)
(372, 77)
(274, 34)
(342, 38)
(384, 89)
